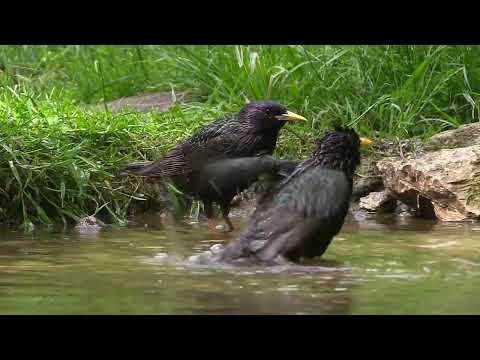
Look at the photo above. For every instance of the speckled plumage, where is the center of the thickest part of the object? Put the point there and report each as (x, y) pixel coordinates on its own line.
(252, 132)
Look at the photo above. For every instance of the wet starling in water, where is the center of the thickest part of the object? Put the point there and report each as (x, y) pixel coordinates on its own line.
(299, 217)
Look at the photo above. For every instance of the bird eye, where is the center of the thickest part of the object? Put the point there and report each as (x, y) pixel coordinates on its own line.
(267, 111)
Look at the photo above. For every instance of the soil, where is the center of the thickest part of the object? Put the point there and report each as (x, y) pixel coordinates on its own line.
(159, 101)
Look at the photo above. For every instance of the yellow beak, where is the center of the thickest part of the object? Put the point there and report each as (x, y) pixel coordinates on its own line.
(290, 116)
(364, 142)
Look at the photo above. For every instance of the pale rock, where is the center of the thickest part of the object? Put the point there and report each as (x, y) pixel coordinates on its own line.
(444, 184)
(378, 201)
(463, 136)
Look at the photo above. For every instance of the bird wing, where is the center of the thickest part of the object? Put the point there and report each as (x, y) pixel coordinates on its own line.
(232, 142)
(314, 203)
(214, 129)
(173, 162)
(226, 176)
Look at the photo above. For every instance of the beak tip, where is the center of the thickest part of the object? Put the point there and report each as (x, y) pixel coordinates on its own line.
(291, 116)
(365, 141)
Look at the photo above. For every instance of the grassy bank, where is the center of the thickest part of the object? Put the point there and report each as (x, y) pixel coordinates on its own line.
(397, 90)
(59, 161)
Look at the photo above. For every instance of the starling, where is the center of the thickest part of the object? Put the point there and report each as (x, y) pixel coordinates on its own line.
(196, 165)
(300, 216)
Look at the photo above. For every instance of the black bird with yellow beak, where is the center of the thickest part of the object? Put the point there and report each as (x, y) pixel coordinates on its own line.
(299, 217)
(201, 166)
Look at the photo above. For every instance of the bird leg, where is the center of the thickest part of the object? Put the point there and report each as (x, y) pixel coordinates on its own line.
(213, 228)
(225, 208)
(209, 213)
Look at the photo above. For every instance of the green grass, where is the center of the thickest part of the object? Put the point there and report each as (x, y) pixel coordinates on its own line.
(59, 161)
(396, 90)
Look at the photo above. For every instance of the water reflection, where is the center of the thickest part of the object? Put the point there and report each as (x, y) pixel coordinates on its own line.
(362, 220)
(261, 290)
(319, 297)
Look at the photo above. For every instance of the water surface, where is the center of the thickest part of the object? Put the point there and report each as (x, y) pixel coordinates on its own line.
(379, 265)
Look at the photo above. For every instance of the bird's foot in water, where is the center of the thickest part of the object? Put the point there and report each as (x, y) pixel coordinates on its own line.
(213, 228)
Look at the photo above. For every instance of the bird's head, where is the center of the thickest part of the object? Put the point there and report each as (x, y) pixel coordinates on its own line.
(267, 114)
(340, 149)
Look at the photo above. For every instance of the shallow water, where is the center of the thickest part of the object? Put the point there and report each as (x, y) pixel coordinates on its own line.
(377, 265)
